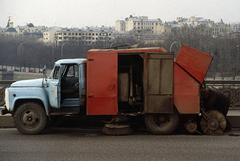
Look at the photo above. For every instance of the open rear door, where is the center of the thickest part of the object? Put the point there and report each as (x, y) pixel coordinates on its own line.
(102, 83)
(194, 62)
(158, 83)
(190, 69)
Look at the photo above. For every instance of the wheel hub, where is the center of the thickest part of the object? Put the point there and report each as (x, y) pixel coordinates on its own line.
(29, 118)
(213, 124)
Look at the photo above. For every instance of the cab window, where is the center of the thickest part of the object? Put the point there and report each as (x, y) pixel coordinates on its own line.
(56, 72)
(72, 71)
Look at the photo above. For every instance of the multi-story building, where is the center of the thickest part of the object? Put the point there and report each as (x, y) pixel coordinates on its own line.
(49, 35)
(26, 31)
(83, 36)
(205, 26)
(120, 26)
(141, 23)
(31, 31)
(220, 29)
(235, 27)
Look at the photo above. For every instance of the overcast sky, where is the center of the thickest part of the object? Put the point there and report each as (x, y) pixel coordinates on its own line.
(80, 13)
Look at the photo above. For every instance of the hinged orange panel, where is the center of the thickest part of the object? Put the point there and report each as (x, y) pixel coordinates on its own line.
(102, 87)
(186, 92)
(194, 61)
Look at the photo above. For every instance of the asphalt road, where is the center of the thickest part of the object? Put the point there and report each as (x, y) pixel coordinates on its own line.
(78, 145)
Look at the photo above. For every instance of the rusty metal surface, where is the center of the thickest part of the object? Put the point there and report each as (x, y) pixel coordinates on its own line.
(194, 62)
(158, 82)
(186, 92)
(102, 83)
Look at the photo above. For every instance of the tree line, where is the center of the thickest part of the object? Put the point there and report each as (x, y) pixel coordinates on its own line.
(31, 52)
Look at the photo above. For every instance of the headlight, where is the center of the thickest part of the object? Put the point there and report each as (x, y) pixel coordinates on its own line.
(7, 98)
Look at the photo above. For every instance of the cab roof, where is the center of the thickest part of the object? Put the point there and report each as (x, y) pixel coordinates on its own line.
(70, 61)
(132, 50)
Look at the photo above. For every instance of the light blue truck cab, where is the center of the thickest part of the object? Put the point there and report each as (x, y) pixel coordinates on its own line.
(31, 102)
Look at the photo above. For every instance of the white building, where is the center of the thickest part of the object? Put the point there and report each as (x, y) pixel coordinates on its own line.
(120, 26)
(235, 27)
(31, 30)
(141, 23)
(83, 36)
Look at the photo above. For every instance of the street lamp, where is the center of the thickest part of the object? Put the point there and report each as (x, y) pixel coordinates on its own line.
(20, 51)
(173, 43)
(20, 48)
(62, 45)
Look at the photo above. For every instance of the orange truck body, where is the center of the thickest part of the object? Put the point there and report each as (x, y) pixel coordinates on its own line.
(189, 70)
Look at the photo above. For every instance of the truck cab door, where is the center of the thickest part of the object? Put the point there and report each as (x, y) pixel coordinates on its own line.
(54, 92)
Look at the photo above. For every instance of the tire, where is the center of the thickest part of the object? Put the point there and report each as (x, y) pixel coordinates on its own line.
(215, 123)
(30, 118)
(161, 127)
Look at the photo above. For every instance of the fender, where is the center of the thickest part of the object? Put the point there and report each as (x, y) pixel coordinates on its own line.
(16, 94)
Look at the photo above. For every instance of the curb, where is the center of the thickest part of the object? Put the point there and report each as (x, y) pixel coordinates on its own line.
(234, 121)
(6, 121)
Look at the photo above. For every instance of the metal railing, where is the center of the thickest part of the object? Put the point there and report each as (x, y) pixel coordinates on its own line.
(230, 88)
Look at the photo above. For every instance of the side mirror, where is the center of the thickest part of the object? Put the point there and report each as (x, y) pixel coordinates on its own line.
(44, 70)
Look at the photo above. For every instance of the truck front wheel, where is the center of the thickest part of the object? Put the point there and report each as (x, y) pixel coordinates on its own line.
(30, 118)
(161, 123)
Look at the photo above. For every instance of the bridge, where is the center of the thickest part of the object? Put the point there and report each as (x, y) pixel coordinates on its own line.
(230, 88)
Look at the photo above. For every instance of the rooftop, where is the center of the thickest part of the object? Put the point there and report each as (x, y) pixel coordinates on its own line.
(70, 61)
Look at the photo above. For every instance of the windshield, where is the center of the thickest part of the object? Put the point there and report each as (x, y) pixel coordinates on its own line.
(55, 72)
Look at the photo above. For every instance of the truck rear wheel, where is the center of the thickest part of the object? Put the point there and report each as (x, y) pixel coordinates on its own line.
(161, 123)
(30, 118)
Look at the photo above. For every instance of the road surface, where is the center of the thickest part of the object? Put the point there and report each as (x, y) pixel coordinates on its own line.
(78, 145)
